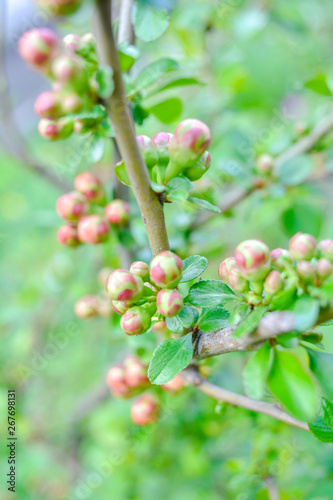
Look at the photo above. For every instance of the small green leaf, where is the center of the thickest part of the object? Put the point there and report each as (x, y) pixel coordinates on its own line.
(250, 323)
(292, 385)
(213, 318)
(158, 188)
(204, 204)
(194, 266)
(255, 372)
(284, 299)
(184, 319)
(321, 364)
(208, 293)
(177, 195)
(295, 170)
(176, 81)
(105, 83)
(305, 310)
(322, 426)
(319, 85)
(153, 72)
(96, 148)
(128, 54)
(179, 183)
(167, 111)
(169, 358)
(149, 23)
(122, 174)
(174, 324)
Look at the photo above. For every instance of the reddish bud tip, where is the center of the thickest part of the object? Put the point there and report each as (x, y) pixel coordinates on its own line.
(324, 268)
(90, 186)
(252, 259)
(162, 141)
(72, 206)
(54, 130)
(169, 302)
(124, 286)
(325, 249)
(305, 270)
(189, 142)
(120, 307)
(86, 307)
(302, 246)
(72, 42)
(175, 385)
(140, 269)
(135, 373)
(166, 269)
(273, 283)
(279, 257)
(38, 46)
(115, 379)
(160, 328)
(145, 410)
(47, 105)
(148, 150)
(93, 229)
(135, 321)
(118, 212)
(67, 236)
(225, 268)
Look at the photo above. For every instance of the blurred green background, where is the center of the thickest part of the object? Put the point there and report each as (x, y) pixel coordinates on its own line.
(268, 70)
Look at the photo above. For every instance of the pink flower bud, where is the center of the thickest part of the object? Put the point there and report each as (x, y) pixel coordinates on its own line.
(237, 282)
(169, 302)
(252, 259)
(67, 236)
(90, 186)
(72, 103)
(72, 206)
(145, 410)
(135, 372)
(135, 321)
(140, 269)
(72, 42)
(166, 269)
(325, 249)
(175, 385)
(273, 283)
(93, 229)
(162, 141)
(196, 172)
(302, 246)
(124, 286)
(115, 379)
(265, 164)
(70, 71)
(120, 306)
(160, 328)
(305, 270)
(279, 258)
(39, 46)
(324, 268)
(225, 268)
(104, 306)
(86, 307)
(148, 150)
(118, 212)
(189, 142)
(54, 130)
(47, 105)
(59, 7)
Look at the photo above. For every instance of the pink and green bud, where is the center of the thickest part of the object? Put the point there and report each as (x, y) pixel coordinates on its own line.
(305, 270)
(325, 249)
(59, 7)
(279, 258)
(252, 259)
(72, 206)
(254, 299)
(84, 125)
(148, 150)
(166, 269)
(120, 307)
(86, 307)
(93, 229)
(47, 105)
(162, 141)
(54, 130)
(104, 306)
(225, 268)
(124, 286)
(90, 186)
(145, 410)
(273, 283)
(118, 212)
(67, 236)
(135, 321)
(196, 172)
(265, 164)
(324, 268)
(72, 103)
(115, 379)
(175, 385)
(38, 47)
(189, 142)
(302, 246)
(160, 328)
(135, 373)
(103, 275)
(169, 303)
(237, 282)
(70, 71)
(72, 42)
(140, 269)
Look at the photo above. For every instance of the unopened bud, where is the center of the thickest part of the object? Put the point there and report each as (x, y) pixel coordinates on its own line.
(47, 105)
(162, 141)
(140, 269)
(120, 307)
(135, 321)
(70, 71)
(302, 246)
(93, 229)
(145, 410)
(225, 268)
(72, 103)
(160, 328)
(175, 385)
(252, 259)
(265, 164)
(38, 47)
(103, 275)
(237, 282)
(90, 186)
(196, 172)
(273, 283)
(189, 142)
(54, 130)
(325, 249)
(59, 7)
(72, 42)
(169, 302)
(166, 269)
(305, 270)
(148, 150)
(67, 236)
(118, 212)
(115, 379)
(72, 206)
(86, 307)
(135, 372)
(124, 286)
(279, 257)
(324, 268)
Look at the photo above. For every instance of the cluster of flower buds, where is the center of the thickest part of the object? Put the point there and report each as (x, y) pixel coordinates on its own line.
(71, 64)
(260, 274)
(91, 306)
(59, 7)
(143, 291)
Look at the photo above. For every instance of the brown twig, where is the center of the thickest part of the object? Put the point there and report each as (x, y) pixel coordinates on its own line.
(125, 28)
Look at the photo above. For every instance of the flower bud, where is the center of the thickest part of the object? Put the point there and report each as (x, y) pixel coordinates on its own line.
(175, 385)
(47, 105)
(253, 299)
(70, 71)
(67, 235)
(196, 172)
(148, 150)
(104, 306)
(72, 103)
(279, 257)
(305, 270)
(135, 372)
(252, 259)
(140, 269)
(38, 46)
(90, 186)
(324, 268)
(325, 249)
(189, 142)
(72, 206)
(115, 379)
(72, 42)
(265, 164)
(225, 268)
(118, 212)
(124, 286)
(54, 130)
(160, 328)
(93, 229)
(162, 141)
(135, 321)
(103, 275)
(273, 283)
(86, 307)
(166, 269)
(145, 410)
(169, 302)
(59, 7)
(237, 282)
(120, 306)
(84, 125)
(302, 246)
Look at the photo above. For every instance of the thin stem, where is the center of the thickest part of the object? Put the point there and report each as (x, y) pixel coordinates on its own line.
(125, 28)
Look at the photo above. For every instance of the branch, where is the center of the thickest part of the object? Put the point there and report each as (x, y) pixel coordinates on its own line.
(125, 28)
(122, 120)
(191, 376)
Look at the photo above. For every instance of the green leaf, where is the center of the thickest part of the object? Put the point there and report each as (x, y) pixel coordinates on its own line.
(167, 111)
(149, 23)
(322, 425)
(250, 323)
(122, 174)
(174, 324)
(176, 81)
(105, 83)
(179, 183)
(255, 372)
(326, 411)
(158, 188)
(305, 310)
(184, 319)
(284, 299)
(153, 72)
(177, 195)
(96, 148)
(208, 293)
(204, 204)
(194, 266)
(319, 85)
(321, 364)
(302, 217)
(295, 170)
(292, 385)
(169, 358)
(128, 54)
(213, 318)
